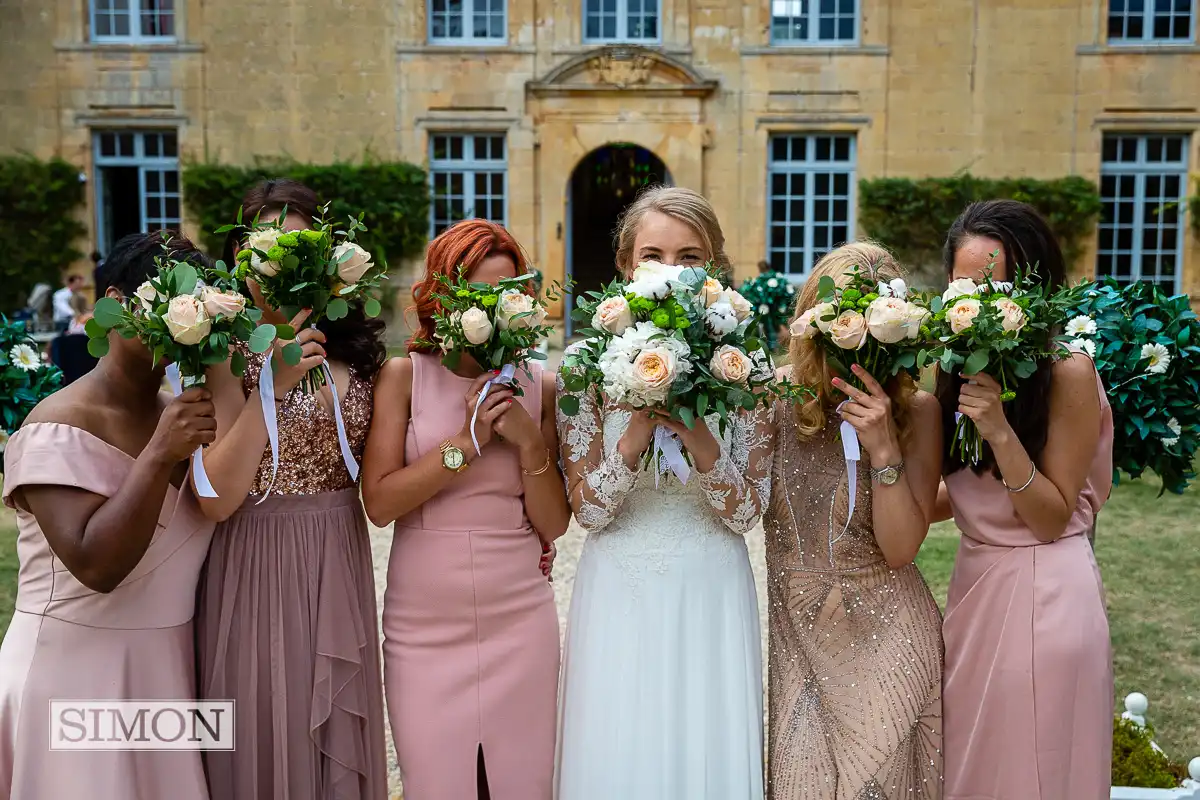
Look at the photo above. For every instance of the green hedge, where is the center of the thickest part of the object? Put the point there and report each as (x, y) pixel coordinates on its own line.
(911, 216)
(38, 226)
(393, 195)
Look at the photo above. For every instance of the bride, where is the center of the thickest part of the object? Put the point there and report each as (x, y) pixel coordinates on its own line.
(662, 671)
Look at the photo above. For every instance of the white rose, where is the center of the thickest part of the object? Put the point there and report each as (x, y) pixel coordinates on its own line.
(962, 314)
(613, 315)
(849, 330)
(741, 306)
(511, 303)
(353, 268)
(263, 239)
(772, 282)
(653, 280)
(218, 304)
(476, 325)
(959, 288)
(654, 370)
(731, 364)
(1012, 316)
(893, 288)
(710, 292)
(721, 319)
(186, 320)
(887, 319)
(917, 317)
(805, 325)
(823, 316)
(147, 296)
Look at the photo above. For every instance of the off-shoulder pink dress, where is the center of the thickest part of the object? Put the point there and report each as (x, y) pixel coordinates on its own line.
(1028, 692)
(67, 641)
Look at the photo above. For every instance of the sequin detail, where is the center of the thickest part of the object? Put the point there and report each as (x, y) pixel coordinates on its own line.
(855, 660)
(310, 459)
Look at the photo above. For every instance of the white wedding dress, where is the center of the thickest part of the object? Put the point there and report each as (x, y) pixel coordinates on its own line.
(661, 695)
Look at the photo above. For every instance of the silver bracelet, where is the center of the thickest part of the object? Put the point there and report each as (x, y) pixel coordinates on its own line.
(1028, 483)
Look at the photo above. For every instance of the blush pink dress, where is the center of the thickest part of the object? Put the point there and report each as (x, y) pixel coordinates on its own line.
(1028, 691)
(471, 644)
(67, 641)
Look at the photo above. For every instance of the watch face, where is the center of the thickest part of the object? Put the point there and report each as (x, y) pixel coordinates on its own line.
(889, 475)
(453, 458)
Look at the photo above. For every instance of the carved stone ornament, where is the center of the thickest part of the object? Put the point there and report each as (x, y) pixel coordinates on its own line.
(621, 68)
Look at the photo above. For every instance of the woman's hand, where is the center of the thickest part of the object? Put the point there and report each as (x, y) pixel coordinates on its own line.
(188, 422)
(495, 404)
(979, 399)
(870, 413)
(637, 437)
(546, 564)
(701, 445)
(270, 315)
(312, 355)
(516, 428)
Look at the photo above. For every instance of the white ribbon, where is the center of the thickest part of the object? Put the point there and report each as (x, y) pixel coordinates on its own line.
(668, 450)
(960, 433)
(853, 454)
(266, 394)
(507, 372)
(204, 486)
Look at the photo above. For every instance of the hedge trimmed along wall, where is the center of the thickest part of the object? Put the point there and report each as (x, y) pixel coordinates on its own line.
(911, 216)
(39, 201)
(394, 196)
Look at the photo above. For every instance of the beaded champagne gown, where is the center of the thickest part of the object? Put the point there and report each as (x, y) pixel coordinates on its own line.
(661, 695)
(855, 655)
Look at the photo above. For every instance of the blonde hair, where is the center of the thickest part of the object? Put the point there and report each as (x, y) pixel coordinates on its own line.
(690, 208)
(809, 366)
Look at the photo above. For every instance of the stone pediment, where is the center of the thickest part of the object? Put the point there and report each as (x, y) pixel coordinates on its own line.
(624, 68)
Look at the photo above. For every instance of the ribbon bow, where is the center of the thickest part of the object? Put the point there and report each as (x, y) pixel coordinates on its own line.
(668, 454)
(204, 486)
(853, 454)
(507, 373)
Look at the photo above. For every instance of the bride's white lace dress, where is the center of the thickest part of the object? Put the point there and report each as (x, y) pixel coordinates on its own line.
(662, 670)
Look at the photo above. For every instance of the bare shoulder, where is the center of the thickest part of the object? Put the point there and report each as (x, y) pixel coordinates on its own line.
(1075, 379)
(925, 405)
(395, 372)
(783, 373)
(71, 405)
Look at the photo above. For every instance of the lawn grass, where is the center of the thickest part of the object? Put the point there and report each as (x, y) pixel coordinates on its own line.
(1146, 548)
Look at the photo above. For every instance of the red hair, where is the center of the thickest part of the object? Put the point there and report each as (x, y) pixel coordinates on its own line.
(458, 250)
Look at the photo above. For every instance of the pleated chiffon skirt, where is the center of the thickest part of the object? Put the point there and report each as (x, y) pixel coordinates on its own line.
(286, 627)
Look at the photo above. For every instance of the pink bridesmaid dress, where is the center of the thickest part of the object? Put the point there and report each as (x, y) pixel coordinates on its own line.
(471, 643)
(1028, 691)
(67, 641)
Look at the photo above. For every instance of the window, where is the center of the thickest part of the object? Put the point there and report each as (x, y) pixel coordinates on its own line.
(814, 22)
(1143, 179)
(137, 184)
(133, 20)
(620, 21)
(467, 21)
(1140, 21)
(468, 174)
(809, 199)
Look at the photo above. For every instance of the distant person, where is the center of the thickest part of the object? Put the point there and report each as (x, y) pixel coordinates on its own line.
(62, 302)
(81, 312)
(764, 267)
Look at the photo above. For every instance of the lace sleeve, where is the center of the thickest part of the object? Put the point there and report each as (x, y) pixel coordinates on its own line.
(740, 482)
(596, 484)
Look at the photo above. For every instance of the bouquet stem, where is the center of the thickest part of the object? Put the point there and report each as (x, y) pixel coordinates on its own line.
(967, 442)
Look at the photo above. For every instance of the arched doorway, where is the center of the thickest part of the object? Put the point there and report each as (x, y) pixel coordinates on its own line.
(602, 185)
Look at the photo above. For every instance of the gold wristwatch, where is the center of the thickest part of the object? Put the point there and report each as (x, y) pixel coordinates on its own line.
(453, 459)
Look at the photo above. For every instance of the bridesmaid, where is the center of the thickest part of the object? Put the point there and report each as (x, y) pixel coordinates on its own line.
(286, 619)
(111, 541)
(1029, 683)
(470, 629)
(855, 655)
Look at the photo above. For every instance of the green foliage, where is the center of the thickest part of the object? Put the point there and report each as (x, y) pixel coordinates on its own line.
(1135, 762)
(1156, 419)
(24, 379)
(1194, 205)
(38, 228)
(392, 196)
(773, 298)
(911, 216)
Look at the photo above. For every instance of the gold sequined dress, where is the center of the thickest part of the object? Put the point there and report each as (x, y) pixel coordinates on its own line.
(855, 661)
(286, 619)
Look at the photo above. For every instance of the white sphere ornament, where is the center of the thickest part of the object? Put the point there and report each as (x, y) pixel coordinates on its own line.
(1135, 708)
(1194, 769)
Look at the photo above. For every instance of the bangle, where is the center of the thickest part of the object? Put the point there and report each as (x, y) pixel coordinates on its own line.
(1028, 483)
(541, 471)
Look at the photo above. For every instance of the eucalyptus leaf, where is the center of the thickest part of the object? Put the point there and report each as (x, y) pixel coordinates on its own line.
(97, 348)
(262, 338)
(292, 353)
(107, 312)
(185, 278)
(337, 309)
(372, 308)
(569, 404)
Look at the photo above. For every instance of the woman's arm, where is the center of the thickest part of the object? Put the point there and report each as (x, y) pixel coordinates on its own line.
(942, 510)
(392, 489)
(1047, 503)
(101, 540)
(545, 499)
(902, 512)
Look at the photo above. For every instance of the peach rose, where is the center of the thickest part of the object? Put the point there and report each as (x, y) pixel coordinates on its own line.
(654, 370)
(1012, 316)
(731, 364)
(849, 330)
(186, 320)
(613, 315)
(962, 314)
(711, 291)
(219, 304)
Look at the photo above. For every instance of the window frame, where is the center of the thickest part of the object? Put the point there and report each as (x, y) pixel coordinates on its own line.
(813, 15)
(468, 39)
(811, 167)
(622, 15)
(470, 166)
(135, 36)
(160, 163)
(1140, 169)
(1148, 38)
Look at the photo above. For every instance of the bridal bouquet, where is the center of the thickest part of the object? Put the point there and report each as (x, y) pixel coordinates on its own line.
(673, 339)
(322, 269)
(1003, 329)
(25, 378)
(878, 326)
